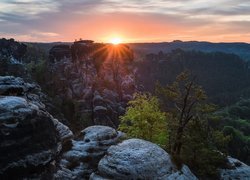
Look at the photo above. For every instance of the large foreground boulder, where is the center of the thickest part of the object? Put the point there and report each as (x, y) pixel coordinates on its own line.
(83, 157)
(139, 159)
(28, 137)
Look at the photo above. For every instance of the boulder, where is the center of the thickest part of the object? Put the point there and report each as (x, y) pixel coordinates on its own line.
(28, 137)
(83, 157)
(237, 170)
(139, 159)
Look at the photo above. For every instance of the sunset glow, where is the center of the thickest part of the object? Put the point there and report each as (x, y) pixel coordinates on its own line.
(116, 40)
(147, 21)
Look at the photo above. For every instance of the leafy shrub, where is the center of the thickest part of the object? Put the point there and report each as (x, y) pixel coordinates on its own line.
(144, 119)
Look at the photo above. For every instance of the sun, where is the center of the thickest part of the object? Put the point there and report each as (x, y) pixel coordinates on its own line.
(116, 40)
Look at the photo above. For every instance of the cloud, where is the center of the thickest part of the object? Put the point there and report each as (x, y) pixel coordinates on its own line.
(12, 10)
(67, 19)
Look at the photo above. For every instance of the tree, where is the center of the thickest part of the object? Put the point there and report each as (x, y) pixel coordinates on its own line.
(183, 99)
(191, 138)
(144, 119)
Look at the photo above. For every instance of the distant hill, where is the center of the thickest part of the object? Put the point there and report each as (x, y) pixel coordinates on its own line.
(240, 49)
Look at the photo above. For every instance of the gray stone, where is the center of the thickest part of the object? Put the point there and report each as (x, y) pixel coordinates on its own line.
(139, 159)
(238, 170)
(28, 137)
(64, 132)
(83, 157)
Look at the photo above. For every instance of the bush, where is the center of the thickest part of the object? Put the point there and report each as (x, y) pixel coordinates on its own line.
(144, 119)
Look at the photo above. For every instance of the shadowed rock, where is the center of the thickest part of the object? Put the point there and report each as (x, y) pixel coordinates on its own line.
(28, 137)
(59, 52)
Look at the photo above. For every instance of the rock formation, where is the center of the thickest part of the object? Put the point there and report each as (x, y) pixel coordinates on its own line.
(96, 84)
(139, 159)
(59, 52)
(11, 53)
(11, 48)
(30, 137)
(86, 151)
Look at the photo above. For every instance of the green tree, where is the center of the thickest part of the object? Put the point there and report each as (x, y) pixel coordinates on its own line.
(183, 99)
(191, 138)
(144, 119)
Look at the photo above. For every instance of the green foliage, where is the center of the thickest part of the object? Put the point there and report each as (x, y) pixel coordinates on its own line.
(200, 149)
(144, 119)
(236, 124)
(239, 144)
(191, 138)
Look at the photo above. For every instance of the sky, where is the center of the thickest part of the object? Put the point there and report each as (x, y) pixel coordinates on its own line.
(131, 20)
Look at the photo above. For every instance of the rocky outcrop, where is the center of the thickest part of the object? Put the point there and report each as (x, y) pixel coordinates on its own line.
(237, 170)
(16, 86)
(59, 52)
(95, 87)
(30, 138)
(11, 48)
(83, 157)
(11, 53)
(81, 49)
(139, 159)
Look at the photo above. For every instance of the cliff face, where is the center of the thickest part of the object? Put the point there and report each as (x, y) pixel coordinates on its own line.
(95, 80)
